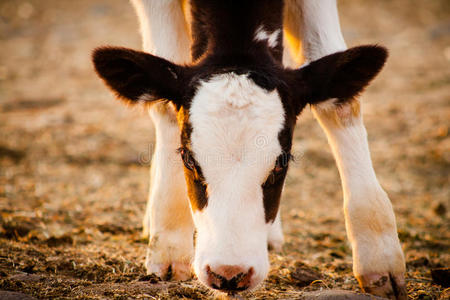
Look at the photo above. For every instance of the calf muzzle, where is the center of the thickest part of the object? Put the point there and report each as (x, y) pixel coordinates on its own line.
(229, 278)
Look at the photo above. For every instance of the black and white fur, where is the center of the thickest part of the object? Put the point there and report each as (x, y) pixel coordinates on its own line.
(230, 110)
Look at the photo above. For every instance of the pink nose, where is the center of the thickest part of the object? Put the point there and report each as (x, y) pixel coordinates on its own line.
(229, 278)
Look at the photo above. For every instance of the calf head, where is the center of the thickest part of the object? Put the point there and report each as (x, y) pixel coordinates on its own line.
(236, 121)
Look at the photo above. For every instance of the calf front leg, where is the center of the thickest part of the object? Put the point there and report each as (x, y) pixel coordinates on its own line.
(168, 222)
(378, 261)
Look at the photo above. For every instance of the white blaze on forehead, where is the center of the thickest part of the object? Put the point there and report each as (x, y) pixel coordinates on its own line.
(271, 38)
(235, 127)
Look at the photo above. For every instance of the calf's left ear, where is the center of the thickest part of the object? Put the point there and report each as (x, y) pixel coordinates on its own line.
(135, 75)
(341, 75)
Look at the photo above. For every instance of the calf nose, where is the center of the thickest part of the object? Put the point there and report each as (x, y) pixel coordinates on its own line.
(229, 278)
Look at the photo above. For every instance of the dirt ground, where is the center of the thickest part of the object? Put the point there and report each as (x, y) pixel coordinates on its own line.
(74, 161)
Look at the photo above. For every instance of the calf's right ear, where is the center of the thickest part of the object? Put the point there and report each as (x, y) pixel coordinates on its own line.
(138, 76)
(342, 75)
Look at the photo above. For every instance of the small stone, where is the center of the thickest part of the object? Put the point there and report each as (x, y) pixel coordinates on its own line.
(6, 295)
(18, 228)
(418, 262)
(343, 267)
(441, 276)
(303, 275)
(337, 254)
(337, 295)
(151, 278)
(54, 241)
(440, 209)
(25, 277)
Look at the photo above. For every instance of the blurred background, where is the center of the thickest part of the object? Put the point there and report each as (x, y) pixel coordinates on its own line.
(74, 161)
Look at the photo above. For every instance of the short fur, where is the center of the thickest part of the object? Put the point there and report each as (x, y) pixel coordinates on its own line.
(235, 42)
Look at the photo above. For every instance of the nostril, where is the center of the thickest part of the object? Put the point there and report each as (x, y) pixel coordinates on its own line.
(244, 282)
(229, 278)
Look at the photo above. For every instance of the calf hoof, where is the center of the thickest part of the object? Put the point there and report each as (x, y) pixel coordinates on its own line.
(176, 271)
(169, 254)
(385, 285)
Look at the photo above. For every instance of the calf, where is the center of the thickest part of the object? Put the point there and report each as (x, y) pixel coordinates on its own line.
(226, 115)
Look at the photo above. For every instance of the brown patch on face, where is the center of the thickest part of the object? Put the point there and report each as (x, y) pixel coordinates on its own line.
(273, 187)
(196, 185)
(197, 190)
(341, 115)
(271, 200)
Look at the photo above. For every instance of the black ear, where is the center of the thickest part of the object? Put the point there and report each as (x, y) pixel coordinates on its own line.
(135, 75)
(341, 75)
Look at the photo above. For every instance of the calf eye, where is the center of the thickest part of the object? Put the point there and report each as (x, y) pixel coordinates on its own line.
(282, 162)
(187, 158)
(280, 167)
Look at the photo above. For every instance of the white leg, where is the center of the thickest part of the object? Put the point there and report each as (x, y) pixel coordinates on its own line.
(275, 238)
(167, 221)
(312, 30)
(168, 218)
(164, 29)
(378, 261)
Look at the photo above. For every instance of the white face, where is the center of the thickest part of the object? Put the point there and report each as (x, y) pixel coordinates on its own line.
(234, 139)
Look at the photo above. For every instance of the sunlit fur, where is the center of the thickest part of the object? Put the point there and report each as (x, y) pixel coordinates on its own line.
(167, 221)
(233, 184)
(369, 217)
